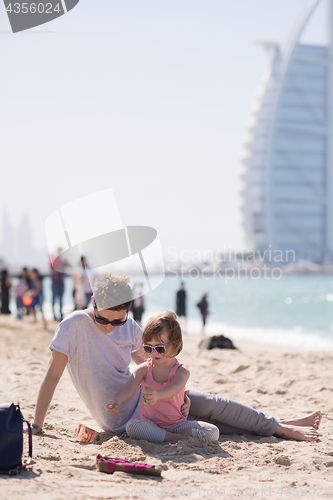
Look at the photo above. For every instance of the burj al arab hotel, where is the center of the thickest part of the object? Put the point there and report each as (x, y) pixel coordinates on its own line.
(287, 160)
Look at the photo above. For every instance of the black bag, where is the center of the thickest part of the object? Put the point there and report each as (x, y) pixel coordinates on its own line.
(219, 341)
(11, 439)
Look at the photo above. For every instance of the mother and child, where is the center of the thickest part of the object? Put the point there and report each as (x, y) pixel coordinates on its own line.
(97, 345)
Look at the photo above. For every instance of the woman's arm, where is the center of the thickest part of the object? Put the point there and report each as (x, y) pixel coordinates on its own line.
(178, 383)
(56, 368)
(127, 390)
(137, 358)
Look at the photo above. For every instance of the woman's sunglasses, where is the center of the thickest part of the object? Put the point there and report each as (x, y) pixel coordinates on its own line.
(104, 321)
(160, 349)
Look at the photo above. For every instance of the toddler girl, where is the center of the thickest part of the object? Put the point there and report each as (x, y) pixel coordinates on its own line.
(163, 380)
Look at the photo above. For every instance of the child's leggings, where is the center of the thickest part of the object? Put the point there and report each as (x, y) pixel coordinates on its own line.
(145, 429)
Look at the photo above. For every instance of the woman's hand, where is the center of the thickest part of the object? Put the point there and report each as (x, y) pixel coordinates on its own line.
(112, 408)
(150, 396)
(34, 431)
(185, 409)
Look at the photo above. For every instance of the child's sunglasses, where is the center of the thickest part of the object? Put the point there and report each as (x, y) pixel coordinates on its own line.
(104, 321)
(160, 349)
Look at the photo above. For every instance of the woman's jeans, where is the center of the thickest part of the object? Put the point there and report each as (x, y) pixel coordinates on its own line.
(229, 416)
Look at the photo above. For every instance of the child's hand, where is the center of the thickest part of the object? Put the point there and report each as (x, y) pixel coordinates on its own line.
(112, 408)
(150, 396)
(185, 409)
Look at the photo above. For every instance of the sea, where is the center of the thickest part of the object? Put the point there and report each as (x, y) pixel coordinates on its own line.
(293, 310)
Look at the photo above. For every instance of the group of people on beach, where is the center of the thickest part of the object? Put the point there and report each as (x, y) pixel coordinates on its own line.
(29, 283)
(28, 292)
(151, 402)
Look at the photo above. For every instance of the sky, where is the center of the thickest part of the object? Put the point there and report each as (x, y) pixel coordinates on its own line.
(149, 98)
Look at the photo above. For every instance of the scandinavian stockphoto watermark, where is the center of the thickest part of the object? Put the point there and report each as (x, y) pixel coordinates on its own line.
(26, 14)
(220, 492)
(187, 491)
(227, 264)
(91, 228)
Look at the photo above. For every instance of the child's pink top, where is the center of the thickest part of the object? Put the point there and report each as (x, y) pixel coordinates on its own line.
(164, 413)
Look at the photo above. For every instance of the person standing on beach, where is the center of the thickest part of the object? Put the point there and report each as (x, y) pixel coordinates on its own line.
(181, 305)
(203, 306)
(5, 284)
(58, 282)
(20, 289)
(138, 305)
(25, 276)
(37, 295)
(82, 287)
(97, 344)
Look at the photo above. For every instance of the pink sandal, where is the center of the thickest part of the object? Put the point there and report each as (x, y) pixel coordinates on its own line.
(109, 465)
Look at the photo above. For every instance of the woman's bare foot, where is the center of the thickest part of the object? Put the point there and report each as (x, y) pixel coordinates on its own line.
(296, 432)
(312, 420)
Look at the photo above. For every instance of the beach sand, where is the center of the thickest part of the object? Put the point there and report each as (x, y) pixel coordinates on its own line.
(281, 382)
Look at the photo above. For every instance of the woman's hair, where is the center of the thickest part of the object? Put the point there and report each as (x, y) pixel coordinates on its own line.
(112, 292)
(164, 321)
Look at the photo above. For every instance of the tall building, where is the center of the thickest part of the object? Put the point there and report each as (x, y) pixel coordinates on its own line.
(17, 245)
(6, 240)
(26, 254)
(287, 161)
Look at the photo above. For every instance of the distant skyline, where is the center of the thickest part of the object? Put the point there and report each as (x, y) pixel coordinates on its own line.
(17, 246)
(148, 98)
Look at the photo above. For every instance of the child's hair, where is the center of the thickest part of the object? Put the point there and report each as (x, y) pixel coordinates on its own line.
(168, 321)
(112, 289)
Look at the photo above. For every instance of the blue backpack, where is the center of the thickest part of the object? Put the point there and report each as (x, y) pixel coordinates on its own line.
(11, 439)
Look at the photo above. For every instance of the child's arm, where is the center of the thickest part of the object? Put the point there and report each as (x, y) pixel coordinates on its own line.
(178, 383)
(127, 390)
(34, 293)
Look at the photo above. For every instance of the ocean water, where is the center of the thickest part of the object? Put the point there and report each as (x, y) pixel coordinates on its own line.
(294, 310)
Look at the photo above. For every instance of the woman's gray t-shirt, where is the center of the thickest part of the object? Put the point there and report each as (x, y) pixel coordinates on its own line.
(98, 364)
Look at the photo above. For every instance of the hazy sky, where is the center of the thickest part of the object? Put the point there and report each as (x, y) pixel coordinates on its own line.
(148, 97)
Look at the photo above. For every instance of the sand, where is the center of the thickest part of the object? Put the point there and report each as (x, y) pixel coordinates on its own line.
(280, 382)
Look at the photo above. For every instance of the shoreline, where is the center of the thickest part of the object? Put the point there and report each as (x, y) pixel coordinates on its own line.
(277, 337)
(282, 382)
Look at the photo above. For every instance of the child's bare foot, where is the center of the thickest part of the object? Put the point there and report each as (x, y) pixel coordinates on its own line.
(296, 432)
(312, 420)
